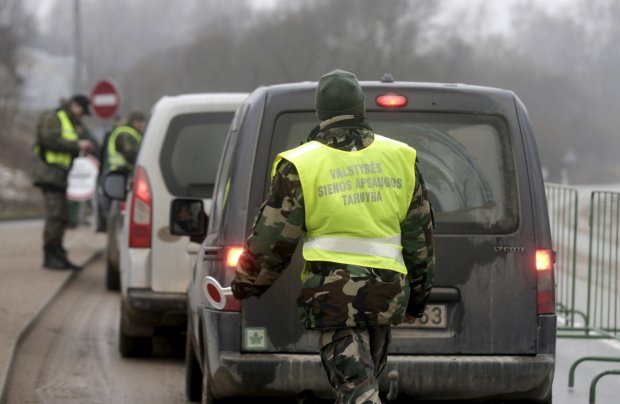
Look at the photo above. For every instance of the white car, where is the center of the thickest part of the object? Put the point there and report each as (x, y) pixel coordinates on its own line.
(178, 157)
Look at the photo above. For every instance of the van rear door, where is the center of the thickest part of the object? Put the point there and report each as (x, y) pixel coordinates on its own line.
(484, 299)
(190, 154)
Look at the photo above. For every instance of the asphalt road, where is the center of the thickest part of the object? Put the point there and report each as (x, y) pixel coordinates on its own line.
(71, 355)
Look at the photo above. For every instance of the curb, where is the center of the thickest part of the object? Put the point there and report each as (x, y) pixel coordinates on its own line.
(35, 318)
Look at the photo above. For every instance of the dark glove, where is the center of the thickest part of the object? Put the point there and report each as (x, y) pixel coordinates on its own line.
(415, 310)
(242, 290)
(415, 307)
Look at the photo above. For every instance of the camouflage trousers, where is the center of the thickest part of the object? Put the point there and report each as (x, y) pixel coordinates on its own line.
(353, 359)
(56, 219)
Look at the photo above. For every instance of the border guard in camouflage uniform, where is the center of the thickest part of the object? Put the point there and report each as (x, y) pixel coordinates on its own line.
(57, 145)
(369, 260)
(123, 143)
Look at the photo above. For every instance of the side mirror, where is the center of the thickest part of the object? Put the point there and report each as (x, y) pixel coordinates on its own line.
(188, 218)
(115, 185)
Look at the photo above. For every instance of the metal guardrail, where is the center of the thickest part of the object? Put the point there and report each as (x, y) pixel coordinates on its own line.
(562, 205)
(602, 319)
(604, 264)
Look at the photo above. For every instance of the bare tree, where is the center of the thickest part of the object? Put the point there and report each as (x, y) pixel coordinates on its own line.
(15, 28)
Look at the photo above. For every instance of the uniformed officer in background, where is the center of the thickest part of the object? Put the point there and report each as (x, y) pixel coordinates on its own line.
(57, 145)
(123, 143)
(357, 280)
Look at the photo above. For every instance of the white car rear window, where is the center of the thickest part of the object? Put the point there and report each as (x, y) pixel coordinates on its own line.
(191, 152)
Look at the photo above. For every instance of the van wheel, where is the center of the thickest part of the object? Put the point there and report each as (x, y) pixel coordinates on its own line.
(134, 347)
(193, 374)
(112, 277)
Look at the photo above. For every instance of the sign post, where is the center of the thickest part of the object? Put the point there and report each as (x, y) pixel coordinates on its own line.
(105, 99)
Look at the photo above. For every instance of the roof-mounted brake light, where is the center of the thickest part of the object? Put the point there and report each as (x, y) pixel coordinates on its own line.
(391, 100)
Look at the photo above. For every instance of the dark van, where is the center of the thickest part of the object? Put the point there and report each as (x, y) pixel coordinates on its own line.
(489, 329)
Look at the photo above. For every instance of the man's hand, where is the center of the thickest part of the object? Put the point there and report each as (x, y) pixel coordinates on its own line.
(243, 290)
(414, 309)
(86, 146)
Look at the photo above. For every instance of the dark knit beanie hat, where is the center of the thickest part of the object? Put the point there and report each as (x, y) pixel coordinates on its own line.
(339, 93)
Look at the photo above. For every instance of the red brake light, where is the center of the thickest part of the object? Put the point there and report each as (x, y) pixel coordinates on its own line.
(545, 285)
(232, 256)
(141, 187)
(141, 211)
(391, 100)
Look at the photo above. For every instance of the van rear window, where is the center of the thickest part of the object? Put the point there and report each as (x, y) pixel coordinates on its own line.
(466, 161)
(191, 152)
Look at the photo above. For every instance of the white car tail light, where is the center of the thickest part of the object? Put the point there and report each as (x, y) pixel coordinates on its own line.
(140, 220)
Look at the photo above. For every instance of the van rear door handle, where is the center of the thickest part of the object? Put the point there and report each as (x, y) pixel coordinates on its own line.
(213, 253)
(440, 294)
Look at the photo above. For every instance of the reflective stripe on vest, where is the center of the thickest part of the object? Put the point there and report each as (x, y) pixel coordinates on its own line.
(355, 201)
(387, 247)
(67, 132)
(116, 160)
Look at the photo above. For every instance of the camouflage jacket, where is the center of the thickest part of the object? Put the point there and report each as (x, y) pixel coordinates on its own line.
(49, 137)
(336, 295)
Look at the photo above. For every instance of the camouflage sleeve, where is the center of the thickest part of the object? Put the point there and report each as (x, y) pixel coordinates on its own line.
(276, 232)
(127, 146)
(50, 136)
(418, 252)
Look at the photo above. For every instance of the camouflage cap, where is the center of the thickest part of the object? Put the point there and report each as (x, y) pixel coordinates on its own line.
(339, 93)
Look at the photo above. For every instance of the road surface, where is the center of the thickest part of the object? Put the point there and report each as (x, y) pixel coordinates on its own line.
(71, 355)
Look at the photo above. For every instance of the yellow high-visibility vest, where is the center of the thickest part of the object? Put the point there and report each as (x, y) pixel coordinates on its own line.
(67, 131)
(355, 201)
(115, 159)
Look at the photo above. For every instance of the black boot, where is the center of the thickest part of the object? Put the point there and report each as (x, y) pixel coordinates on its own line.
(53, 261)
(71, 265)
(62, 254)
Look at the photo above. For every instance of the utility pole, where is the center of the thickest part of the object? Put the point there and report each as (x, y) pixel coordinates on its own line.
(77, 34)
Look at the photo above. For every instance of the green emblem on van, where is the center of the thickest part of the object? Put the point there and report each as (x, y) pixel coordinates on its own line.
(255, 338)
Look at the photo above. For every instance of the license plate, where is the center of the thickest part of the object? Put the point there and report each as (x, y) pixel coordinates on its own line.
(434, 317)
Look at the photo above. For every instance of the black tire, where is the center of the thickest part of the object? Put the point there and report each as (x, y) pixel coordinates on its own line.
(112, 277)
(193, 374)
(134, 347)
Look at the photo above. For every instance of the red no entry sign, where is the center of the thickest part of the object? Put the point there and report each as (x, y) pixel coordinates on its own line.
(105, 99)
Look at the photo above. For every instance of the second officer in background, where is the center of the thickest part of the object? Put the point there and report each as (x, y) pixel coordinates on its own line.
(121, 148)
